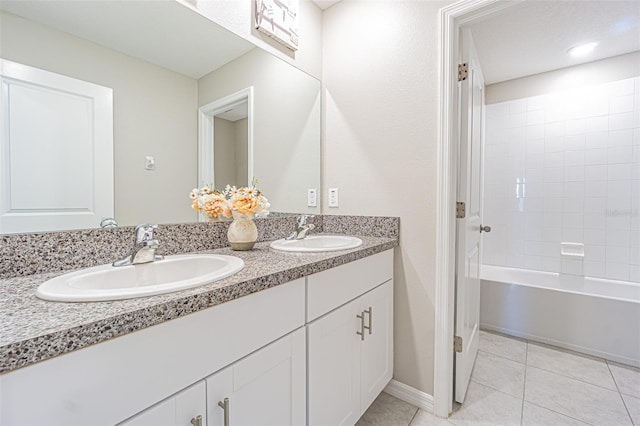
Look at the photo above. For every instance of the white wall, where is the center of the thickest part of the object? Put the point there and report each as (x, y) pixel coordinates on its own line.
(238, 17)
(379, 148)
(565, 167)
(154, 114)
(603, 71)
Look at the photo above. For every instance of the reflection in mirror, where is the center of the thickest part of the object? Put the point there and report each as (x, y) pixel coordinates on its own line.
(230, 147)
(285, 124)
(158, 58)
(225, 141)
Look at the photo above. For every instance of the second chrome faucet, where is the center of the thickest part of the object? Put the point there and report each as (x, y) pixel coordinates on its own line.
(302, 228)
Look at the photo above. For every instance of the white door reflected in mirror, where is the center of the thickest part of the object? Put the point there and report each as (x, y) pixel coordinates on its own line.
(57, 145)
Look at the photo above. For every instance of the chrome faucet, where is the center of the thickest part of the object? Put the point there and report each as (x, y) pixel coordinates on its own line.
(144, 247)
(108, 222)
(302, 229)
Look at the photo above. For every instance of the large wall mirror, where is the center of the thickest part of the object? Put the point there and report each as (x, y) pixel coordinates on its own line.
(163, 61)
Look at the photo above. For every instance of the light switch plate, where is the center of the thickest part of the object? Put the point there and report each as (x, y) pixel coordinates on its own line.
(149, 163)
(312, 197)
(333, 197)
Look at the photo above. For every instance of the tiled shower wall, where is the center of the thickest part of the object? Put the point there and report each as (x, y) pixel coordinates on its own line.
(565, 167)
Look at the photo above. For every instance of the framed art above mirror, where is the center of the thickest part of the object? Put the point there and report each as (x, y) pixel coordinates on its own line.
(163, 60)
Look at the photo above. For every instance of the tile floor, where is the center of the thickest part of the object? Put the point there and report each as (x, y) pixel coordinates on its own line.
(515, 382)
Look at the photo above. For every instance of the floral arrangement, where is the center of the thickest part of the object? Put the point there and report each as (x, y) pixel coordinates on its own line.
(247, 201)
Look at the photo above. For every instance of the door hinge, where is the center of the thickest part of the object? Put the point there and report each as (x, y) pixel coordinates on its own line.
(463, 71)
(461, 210)
(457, 344)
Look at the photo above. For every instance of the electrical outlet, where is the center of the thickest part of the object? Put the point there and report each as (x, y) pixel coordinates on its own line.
(312, 197)
(149, 163)
(333, 197)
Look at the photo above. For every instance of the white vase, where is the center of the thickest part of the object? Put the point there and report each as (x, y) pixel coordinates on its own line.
(242, 233)
(207, 218)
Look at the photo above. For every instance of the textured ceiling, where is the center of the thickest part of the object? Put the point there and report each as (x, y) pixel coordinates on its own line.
(534, 36)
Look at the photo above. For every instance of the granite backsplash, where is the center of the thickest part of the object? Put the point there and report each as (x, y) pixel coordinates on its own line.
(37, 253)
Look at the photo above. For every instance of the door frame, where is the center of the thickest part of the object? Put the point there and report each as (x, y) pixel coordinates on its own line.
(206, 134)
(451, 18)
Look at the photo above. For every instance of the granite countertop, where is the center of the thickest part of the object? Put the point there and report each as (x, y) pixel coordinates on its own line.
(33, 330)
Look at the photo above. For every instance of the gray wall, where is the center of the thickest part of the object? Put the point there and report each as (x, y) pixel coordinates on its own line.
(155, 113)
(286, 134)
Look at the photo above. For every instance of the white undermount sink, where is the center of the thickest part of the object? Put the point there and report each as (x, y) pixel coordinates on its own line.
(317, 243)
(106, 282)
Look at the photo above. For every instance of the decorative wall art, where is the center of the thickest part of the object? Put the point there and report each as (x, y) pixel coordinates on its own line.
(279, 20)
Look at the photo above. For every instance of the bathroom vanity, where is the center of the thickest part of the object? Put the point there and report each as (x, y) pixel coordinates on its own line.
(292, 339)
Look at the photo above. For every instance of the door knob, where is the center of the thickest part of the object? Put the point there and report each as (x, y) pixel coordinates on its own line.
(485, 228)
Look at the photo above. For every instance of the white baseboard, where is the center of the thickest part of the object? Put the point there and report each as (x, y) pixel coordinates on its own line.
(411, 395)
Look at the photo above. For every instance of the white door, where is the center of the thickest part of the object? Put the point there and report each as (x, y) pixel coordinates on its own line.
(56, 151)
(468, 228)
(377, 348)
(266, 388)
(334, 367)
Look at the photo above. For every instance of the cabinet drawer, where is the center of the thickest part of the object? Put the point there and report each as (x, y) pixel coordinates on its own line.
(330, 289)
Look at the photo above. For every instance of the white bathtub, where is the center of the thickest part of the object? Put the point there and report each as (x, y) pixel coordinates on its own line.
(589, 315)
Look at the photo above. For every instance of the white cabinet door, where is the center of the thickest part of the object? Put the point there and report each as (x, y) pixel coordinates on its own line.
(265, 388)
(178, 410)
(334, 372)
(376, 358)
(190, 404)
(347, 370)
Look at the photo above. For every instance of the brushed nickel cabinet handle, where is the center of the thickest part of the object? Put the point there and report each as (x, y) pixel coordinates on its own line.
(362, 327)
(197, 420)
(225, 406)
(370, 313)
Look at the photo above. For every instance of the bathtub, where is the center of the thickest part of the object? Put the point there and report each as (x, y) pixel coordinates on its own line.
(590, 315)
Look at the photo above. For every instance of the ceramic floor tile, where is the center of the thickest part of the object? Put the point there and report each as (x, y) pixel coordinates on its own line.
(506, 347)
(484, 406)
(581, 367)
(422, 418)
(574, 398)
(633, 407)
(500, 373)
(387, 410)
(533, 415)
(627, 378)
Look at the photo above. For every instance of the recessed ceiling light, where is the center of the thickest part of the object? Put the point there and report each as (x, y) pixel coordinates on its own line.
(582, 49)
